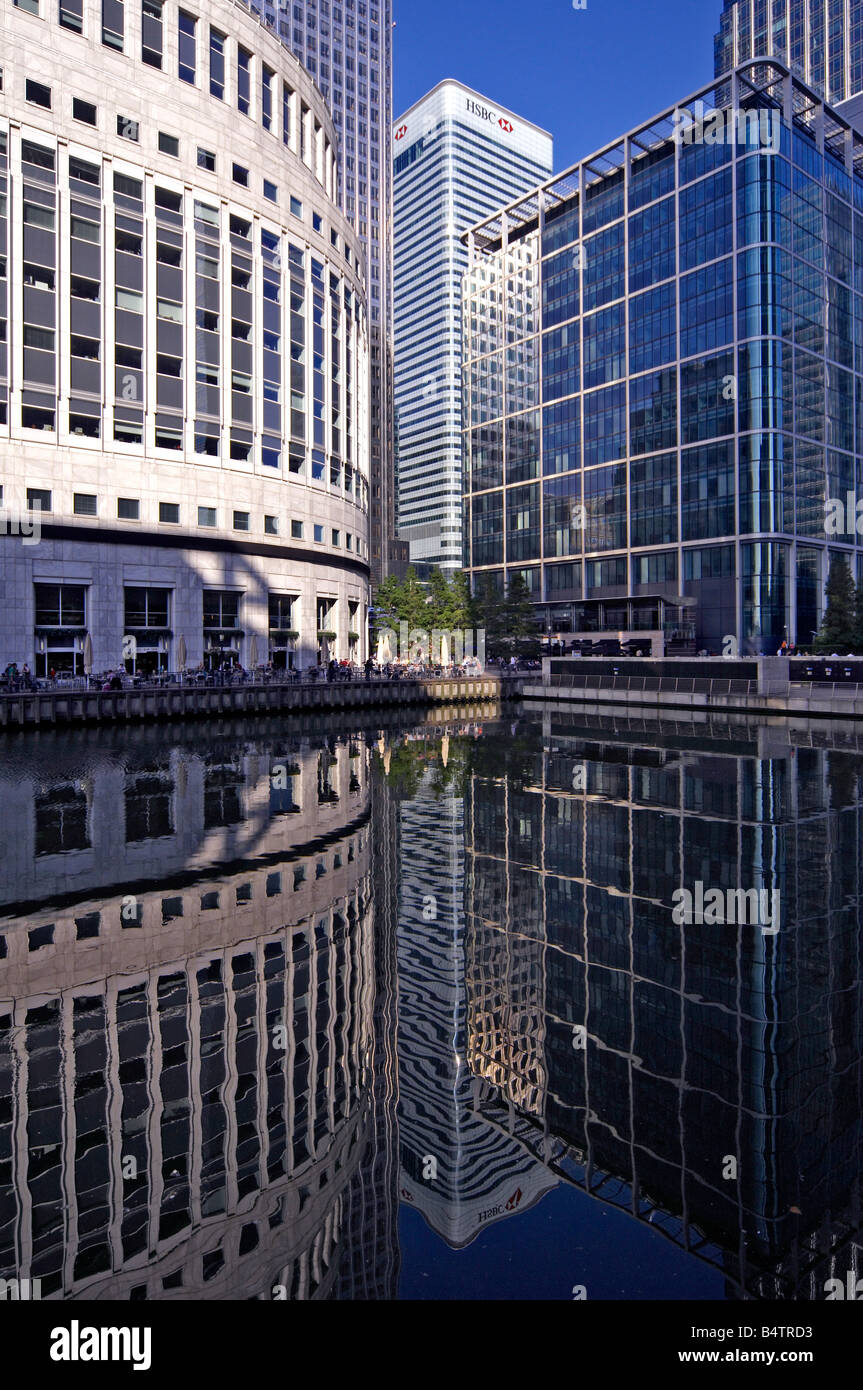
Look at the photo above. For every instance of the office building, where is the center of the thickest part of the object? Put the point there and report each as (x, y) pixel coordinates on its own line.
(185, 1065)
(459, 1172)
(458, 156)
(820, 40)
(664, 393)
(183, 372)
(641, 1052)
(348, 49)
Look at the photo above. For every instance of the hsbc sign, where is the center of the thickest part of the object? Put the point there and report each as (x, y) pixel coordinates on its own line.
(484, 113)
(401, 132)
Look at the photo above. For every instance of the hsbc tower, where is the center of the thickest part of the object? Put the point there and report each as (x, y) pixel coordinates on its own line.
(458, 156)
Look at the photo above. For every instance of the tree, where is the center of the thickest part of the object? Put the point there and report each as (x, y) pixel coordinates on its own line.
(389, 600)
(838, 630)
(415, 606)
(440, 602)
(490, 616)
(519, 614)
(463, 607)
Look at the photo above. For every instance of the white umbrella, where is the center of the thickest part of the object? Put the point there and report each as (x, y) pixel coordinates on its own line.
(253, 652)
(181, 654)
(88, 655)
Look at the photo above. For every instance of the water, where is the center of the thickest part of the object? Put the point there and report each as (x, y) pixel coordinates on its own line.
(293, 1014)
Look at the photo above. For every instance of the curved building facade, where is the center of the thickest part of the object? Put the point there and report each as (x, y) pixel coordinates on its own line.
(183, 346)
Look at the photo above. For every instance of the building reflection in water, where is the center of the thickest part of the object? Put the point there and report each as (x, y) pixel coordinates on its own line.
(555, 1001)
(699, 1043)
(256, 989)
(187, 999)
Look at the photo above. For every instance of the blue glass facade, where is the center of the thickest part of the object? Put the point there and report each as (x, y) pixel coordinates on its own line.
(821, 41)
(693, 320)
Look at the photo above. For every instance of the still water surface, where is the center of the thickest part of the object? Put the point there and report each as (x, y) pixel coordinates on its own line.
(407, 1013)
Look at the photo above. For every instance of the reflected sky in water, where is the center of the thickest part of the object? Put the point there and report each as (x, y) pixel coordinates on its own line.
(319, 1013)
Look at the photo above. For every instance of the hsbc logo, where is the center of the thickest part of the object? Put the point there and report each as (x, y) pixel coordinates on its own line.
(485, 113)
(514, 1199)
(401, 132)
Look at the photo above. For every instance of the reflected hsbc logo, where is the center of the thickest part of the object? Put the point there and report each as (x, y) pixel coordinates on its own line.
(484, 113)
(401, 132)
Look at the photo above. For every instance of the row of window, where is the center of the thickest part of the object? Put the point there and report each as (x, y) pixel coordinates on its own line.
(129, 509)
(300, 129)
(129, 129)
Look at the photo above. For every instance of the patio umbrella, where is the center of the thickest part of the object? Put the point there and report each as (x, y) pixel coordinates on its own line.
(253, 652)
(181, 654)
(88, 655)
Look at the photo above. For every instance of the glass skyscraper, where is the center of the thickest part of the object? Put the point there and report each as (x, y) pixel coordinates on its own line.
(820, 40)
(457, 157)
(664, 377)
(347, 48)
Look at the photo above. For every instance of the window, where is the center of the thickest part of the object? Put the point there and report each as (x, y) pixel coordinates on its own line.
(244, 62)
(151, 33)
(42, 338)
(271, 191)
(241, 521)
(85, 172)
(38, 93)
(317, 222)
(83, 111)
(206, 516)
(240, 175)
(169, 144)
(38, 500)
(82, 229)
(296, 530)
(319, 535)
(84, 504)
(37, 216)
(267, 76)
(271, 525)
(206, 160)
(168, 438)
(337, 538)
(88, 348)
(166, 309)
(29, 6)
(128, 509)
(130, 300)
(187, 51)
(169, 513)
(128, 129)
(112, 24)
(296, 207)
(217, 64)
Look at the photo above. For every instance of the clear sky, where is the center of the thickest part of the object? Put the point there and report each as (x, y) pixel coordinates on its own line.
(585, 75)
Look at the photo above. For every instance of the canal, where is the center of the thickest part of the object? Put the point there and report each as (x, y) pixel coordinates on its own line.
(509, 1004)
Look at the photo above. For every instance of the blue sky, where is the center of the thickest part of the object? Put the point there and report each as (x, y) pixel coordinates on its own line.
(585, 75)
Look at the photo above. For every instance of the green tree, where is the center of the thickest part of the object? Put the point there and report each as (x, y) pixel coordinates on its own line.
(463, 607)
(389, 600)
(838, 630)
(490, 616)
(519, 614)
(415, 606)
(440, 602)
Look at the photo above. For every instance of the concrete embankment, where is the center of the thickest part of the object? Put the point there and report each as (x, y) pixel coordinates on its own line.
(55, 707)
(768, 686)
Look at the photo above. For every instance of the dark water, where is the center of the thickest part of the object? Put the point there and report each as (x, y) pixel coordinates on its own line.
(408, 1013)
